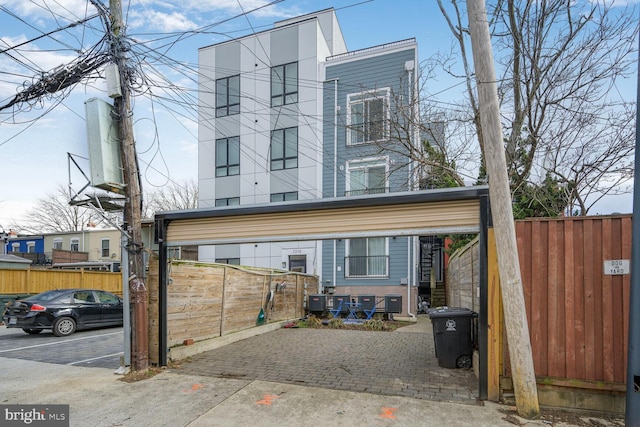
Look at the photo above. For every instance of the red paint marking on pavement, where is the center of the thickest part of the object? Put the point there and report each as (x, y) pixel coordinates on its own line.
(194, 387)
(388, 413)
(267, 399)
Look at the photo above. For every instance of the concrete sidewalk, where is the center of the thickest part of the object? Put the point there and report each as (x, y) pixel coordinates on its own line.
(195, 394)
(98, 397)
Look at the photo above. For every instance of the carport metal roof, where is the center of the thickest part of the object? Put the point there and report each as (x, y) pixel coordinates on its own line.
(414, 213)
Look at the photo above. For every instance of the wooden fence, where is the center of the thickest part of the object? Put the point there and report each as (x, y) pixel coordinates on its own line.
(33, 281)
(206, 301)
(577, 314)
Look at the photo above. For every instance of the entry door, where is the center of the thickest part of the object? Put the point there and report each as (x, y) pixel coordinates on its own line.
(298, 263)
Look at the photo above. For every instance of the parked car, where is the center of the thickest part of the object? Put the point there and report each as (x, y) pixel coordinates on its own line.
(64, 311)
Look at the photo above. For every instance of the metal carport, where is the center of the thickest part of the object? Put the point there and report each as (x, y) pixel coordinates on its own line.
(415, 213)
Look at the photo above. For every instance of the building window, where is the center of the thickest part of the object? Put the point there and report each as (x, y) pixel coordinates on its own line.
(367, 257)
(75, 245)
(105, 248)
(230, 201)
(15, 247)
(284, 149)
(57, 244)
(173, 253)
(284, 197)
(232, 261)
(284, 84)
(367, 119)
(228, 156)
(31, 247)
(228, 96)
(367, 177)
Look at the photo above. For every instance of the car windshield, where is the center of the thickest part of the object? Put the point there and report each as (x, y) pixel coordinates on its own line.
(46, 296)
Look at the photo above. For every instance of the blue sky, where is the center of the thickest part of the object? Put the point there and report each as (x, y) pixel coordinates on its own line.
(34, 154)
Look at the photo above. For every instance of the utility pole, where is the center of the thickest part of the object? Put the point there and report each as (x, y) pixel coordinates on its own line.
(133, 195)
(632, 408)
(524, 380)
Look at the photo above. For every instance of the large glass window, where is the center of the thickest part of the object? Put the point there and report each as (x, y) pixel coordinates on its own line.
(284, 149)
(228, 156)
(367, 117)
(227, 96)
(75, 244)
(284, 84)
(367, 177)
(367, 257)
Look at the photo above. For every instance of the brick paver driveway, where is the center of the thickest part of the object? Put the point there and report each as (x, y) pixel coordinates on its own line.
(399, 363)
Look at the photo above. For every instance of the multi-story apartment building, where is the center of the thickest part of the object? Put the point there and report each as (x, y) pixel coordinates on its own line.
(290, 114)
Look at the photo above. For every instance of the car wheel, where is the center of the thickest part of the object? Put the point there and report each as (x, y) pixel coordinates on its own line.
(32, 331)
(64, 326)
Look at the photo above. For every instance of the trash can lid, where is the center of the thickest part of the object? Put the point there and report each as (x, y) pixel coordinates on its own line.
(439, 312)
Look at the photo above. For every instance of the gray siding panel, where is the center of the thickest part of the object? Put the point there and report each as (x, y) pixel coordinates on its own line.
(385, 70)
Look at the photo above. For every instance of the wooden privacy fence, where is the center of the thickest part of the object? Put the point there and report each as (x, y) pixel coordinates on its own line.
(211, 300)
(577, 314)
(36, 281)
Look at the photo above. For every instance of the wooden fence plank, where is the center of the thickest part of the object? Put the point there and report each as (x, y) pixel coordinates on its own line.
(569, 300)
(597, 274)
(607, 303)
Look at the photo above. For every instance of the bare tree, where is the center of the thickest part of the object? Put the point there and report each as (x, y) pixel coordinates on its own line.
(432, 142)
(172, 197)
(563, 115)
(54, 214)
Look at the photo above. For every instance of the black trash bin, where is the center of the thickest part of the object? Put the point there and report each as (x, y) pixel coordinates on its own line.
(453, 335)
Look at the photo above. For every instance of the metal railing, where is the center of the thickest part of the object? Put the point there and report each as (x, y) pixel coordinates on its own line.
(366, 191)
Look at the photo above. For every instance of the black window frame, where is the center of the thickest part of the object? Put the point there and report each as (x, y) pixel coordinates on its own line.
(225, 167)
(287, 196)
(281, 158)
(227, 104)
(225, 201)
(280, 80)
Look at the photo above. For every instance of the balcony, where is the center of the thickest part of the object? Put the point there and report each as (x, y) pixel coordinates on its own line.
(367, 266)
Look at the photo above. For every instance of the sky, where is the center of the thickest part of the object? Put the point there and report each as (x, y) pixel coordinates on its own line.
(37, 139)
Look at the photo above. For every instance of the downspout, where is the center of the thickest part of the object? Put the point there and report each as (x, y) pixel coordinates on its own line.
(335, 168)
(411, 256)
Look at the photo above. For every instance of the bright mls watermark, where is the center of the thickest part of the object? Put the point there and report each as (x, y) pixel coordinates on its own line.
(34, 415)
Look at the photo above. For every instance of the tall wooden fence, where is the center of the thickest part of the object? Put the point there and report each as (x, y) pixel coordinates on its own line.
(36, 281)
(577, 314)
(206, 301)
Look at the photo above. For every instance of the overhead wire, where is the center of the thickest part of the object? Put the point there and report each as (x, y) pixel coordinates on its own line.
(185, 98)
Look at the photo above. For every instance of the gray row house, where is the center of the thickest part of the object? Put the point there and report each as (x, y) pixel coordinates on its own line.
(290, 114)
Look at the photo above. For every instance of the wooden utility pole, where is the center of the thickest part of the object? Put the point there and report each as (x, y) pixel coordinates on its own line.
(133, 196)
(515, 315)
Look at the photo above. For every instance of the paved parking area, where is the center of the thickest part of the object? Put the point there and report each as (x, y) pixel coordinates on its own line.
(94, 348)
(400, 363)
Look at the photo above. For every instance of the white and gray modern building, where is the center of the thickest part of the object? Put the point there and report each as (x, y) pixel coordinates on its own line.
(290, 114)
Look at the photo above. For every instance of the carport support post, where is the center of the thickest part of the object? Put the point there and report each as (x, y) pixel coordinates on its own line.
(524, 380)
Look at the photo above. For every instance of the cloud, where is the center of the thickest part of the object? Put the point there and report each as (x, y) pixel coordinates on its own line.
(166, 22)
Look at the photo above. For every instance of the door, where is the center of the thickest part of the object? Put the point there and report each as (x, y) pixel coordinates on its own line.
(86, 308)
(110, 308)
